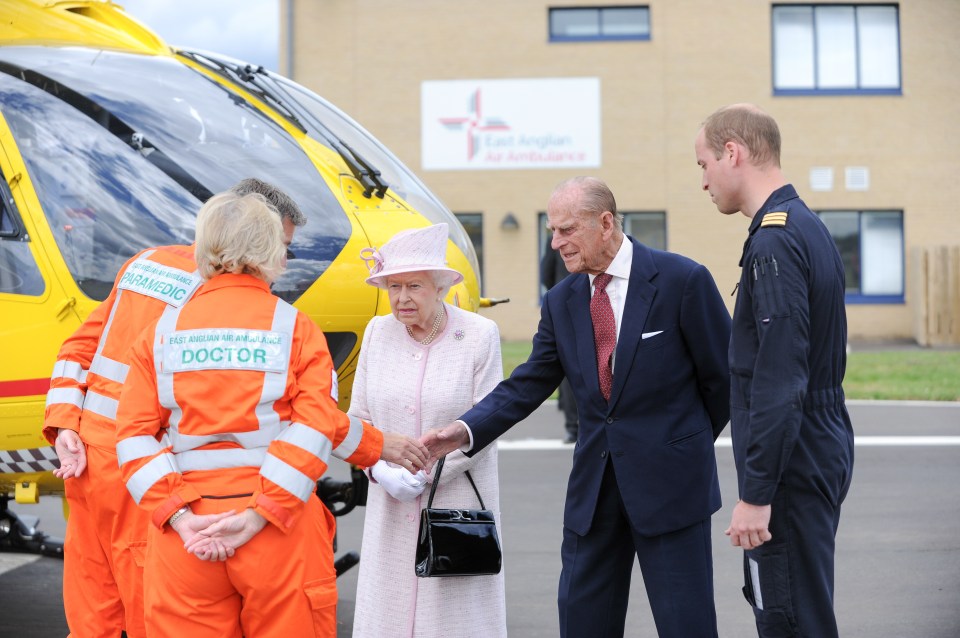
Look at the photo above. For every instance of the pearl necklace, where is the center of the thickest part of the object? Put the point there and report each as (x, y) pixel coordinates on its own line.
(433, 333)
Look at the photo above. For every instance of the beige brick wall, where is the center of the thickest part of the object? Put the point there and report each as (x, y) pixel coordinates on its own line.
(369, 57)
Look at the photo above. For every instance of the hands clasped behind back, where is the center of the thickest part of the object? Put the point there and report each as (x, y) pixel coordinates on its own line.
(398, 482)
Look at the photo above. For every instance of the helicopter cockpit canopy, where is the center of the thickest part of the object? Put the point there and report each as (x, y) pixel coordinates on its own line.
(123, 148)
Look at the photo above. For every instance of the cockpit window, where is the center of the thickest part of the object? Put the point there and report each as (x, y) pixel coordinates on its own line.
(19, 274)
(123, 149)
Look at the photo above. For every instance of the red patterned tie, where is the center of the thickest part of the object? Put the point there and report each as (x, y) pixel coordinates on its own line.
(604, 331)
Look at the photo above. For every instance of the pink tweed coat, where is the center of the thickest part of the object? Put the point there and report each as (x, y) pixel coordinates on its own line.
(403, 386)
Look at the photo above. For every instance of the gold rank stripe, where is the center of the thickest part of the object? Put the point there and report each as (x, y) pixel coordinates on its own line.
(774, 219)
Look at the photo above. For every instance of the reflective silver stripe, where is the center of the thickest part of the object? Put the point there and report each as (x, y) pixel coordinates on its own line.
(259, 438)
(220, 459)
(306, 438)
(148, 475)
(109, 369)
(274, 387)
(351, 442)
(288, 477)
(166, 324)
(116, 303)
(69, 370)
(137, 447)
(99, 404)
(69, 396)
(275, 384)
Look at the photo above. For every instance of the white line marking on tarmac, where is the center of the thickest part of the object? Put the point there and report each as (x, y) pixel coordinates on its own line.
(9, 561)
(725, 441)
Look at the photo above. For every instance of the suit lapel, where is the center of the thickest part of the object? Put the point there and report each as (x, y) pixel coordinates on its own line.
(579, 306)
(640, 295)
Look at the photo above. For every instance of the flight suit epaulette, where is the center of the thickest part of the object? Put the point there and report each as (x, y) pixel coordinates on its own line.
(776, 219)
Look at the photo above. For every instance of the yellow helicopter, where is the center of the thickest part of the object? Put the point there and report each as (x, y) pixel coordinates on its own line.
(110, 140)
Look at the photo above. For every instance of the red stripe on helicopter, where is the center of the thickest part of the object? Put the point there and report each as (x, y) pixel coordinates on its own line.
(24, 387)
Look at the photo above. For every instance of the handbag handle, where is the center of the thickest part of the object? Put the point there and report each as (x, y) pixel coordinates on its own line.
(436, 480)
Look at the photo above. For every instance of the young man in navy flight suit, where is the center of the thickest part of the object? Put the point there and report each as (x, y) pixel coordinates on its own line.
(792, 437)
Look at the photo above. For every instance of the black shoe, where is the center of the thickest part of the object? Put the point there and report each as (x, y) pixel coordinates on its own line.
(571, 437)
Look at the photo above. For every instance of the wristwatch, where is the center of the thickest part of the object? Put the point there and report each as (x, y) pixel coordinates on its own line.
(176, 515)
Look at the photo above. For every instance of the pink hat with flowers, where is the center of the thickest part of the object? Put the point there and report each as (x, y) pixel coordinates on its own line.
(411, 250)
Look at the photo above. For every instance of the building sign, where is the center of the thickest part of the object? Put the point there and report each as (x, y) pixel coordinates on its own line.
(510, 124)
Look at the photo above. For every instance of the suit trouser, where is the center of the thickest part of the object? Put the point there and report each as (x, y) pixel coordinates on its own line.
(677, 570)
(103, 552)
(277, 585)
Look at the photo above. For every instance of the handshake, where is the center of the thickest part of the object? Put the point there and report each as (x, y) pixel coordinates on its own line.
(405, 461)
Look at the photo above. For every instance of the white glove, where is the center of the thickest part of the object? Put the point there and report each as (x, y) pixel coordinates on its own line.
(398, 482)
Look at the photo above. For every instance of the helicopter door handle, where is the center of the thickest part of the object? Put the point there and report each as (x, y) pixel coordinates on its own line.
(64, 307)
(14, 180)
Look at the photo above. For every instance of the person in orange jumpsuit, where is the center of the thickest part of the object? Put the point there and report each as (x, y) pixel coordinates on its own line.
(229, 413)
(106, 531)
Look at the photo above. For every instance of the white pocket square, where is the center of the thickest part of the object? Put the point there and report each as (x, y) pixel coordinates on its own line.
(647, 335)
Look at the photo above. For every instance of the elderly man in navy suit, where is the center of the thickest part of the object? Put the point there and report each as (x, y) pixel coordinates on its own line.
(642, 334)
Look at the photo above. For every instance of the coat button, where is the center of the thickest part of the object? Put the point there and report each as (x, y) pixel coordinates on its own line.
(410, 518)
(418, 356)
(603, 454)
(411, 409)
(609, 419)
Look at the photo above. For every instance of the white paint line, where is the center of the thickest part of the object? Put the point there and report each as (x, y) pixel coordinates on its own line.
(10, 561)
(725, 441)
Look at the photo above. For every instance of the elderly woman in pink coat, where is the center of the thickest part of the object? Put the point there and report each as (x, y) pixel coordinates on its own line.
(420, 368)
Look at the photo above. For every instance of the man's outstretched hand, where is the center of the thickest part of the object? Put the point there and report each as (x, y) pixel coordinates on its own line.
(445, 440)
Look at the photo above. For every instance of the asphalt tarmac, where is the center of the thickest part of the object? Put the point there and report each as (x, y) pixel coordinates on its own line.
(898, 554)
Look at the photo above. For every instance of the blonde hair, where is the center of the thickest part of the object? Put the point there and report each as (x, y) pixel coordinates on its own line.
(744, 124)
(239, 234)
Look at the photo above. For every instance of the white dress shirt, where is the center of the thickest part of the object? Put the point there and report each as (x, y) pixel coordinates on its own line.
(619, 271)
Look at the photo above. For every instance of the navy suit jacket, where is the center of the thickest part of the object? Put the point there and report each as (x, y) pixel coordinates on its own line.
(669, 401)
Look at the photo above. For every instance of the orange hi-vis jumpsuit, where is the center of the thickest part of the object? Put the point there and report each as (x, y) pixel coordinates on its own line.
(230, 403)
(106, 531)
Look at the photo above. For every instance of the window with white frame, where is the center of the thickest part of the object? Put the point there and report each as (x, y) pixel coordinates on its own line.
(871, 246)
(578, 24)
(836, 49)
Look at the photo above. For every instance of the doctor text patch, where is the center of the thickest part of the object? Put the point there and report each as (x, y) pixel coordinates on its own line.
(225, 349)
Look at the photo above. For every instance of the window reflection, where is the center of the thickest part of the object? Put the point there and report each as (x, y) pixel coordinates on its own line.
(124, 148)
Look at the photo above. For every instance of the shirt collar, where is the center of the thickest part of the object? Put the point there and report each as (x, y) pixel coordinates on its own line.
(622, 261)
(227, 280)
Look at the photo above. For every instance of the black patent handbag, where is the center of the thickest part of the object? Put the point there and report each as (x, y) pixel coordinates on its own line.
(457, 542)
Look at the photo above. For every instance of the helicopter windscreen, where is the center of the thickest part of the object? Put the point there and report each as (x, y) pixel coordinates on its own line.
(395, 173)
(123, 148)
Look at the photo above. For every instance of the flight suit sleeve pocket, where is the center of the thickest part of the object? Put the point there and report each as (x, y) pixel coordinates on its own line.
(322, 595)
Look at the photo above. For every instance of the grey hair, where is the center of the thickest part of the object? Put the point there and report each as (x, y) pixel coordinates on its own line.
(282, 202)
(595, 197)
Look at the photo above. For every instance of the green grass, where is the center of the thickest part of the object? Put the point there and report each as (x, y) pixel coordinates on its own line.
(905, 375)
(923, 375)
